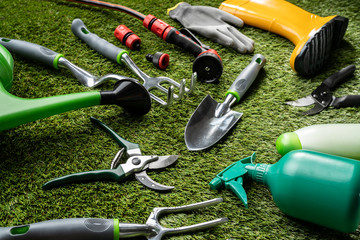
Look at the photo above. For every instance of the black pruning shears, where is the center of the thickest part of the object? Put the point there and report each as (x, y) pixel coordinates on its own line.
(136, 164)
(322, 96)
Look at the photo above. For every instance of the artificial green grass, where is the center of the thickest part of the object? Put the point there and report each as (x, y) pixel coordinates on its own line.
(36, 152)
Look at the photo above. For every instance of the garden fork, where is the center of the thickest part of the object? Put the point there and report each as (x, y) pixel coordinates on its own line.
(121, 56)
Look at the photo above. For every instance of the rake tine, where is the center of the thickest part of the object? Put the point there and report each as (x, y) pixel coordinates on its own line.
(192, 83)
(170, 98)
(181, 90)
(160, 231)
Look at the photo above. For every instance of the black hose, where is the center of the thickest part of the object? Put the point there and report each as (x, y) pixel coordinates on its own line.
(112, 6)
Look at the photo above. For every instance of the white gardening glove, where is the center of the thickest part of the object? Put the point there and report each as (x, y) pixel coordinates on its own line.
(212, 23)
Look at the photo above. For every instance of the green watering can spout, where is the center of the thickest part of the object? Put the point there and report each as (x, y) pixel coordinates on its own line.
(14, 111)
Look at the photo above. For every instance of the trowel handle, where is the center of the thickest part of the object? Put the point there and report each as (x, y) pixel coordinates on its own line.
(246, 77)
(100, 45)
(32, 51)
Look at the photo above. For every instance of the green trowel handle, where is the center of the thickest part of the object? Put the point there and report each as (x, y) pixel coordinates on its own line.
(92, 176)
(95, 42)
(246, 77)
(60, 229)
(122, 142)
(32, 51)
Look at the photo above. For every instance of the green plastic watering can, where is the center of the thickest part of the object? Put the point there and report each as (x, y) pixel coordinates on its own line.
(14, 111)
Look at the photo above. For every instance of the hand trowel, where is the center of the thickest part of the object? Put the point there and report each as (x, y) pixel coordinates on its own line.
(212, 120)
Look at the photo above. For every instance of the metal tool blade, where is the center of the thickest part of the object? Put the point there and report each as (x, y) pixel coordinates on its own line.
(163, 162)
(148, 182)
(204, 129)
(316, 109)
(302, 102)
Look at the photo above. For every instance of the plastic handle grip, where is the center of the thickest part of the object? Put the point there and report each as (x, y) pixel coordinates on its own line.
(98, 175)
(347, 101)
(339, 76)
(186, 43)
(32, 51)
(100, 45)
(60, 229)
(122, 142)
(247, 77)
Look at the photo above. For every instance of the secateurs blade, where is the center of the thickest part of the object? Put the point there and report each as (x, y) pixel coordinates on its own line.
(322, 96)
(121, 56)
(136, 164)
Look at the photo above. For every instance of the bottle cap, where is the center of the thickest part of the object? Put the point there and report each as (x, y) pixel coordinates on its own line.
(287, 142)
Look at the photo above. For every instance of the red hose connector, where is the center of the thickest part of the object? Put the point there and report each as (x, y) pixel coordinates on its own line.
(159, 59)
(127, 37)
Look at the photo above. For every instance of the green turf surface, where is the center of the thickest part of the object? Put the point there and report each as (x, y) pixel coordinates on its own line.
(36, 152)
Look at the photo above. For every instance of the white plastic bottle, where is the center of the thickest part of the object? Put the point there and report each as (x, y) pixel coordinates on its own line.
(336, 139)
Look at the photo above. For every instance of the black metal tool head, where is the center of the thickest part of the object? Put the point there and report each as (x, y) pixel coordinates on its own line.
(130, 95)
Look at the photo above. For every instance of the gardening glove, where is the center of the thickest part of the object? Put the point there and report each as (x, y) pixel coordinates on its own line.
(212, 23)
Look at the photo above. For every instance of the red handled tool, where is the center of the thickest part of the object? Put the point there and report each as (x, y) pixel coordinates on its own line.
(208, 63)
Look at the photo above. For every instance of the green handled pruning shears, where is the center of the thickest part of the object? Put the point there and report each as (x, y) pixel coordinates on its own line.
(136, 163)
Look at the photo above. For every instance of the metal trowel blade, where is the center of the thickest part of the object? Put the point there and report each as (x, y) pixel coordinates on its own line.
(204, 129)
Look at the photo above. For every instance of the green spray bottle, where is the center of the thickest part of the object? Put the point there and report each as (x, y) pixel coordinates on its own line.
(312, 186)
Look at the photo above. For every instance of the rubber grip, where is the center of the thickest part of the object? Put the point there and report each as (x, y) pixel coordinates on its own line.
(98, 44)
(32, 51)
(179, 39)
(99, 175)
(339, 76)
(347, 101)
(60, 229)
(243, 82)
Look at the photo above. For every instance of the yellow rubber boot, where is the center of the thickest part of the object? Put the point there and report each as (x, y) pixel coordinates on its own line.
(313, 36)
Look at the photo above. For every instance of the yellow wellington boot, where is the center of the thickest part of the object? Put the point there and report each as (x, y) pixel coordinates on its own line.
(313, 36)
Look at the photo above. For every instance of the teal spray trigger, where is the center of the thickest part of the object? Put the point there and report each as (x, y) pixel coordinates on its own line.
(232, 178)
(312, 186)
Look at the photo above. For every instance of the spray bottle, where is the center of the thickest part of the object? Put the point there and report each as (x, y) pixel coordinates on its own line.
(315, 187)
(336, 139)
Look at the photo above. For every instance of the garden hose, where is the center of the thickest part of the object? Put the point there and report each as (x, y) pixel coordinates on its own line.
(207, 64)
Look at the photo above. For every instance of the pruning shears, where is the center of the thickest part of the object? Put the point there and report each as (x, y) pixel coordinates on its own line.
(136, 164)
(322, 96)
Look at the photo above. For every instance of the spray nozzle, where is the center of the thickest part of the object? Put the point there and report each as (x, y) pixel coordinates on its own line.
(232, 178)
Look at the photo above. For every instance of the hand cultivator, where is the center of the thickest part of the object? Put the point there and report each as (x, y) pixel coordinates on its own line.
(121, 56)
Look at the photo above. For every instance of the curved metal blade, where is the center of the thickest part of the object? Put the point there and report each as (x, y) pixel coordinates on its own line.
(302, 102)
(204, 129)
(316, 109)
(148, 182)
(163, 162)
